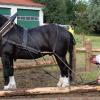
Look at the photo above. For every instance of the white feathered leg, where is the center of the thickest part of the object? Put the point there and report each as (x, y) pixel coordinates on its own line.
(11, 84)
(60, 82)
(63, 81)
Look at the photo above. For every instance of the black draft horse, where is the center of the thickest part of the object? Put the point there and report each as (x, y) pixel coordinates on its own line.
(17, 42)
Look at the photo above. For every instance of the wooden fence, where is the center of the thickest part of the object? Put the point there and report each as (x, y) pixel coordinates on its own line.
(87, 49)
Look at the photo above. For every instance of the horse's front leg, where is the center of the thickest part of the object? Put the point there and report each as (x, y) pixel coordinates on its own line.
(9, 81)
(64, 77)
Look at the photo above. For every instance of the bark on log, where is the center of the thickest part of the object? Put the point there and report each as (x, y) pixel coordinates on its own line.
(49, 90)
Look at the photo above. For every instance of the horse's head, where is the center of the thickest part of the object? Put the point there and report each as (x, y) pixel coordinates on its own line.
(6, 24)
(3, 19)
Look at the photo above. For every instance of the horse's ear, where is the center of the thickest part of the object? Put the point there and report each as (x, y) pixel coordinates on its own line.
(12, 18)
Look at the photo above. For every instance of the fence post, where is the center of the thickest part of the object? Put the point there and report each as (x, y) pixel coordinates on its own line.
(74, 64)
(88, 53)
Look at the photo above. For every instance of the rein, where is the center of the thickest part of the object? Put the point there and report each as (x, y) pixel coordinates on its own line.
(6, 28)
(8, 25)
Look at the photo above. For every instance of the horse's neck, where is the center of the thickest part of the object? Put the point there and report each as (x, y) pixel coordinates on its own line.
(4, 20)
(17, 27)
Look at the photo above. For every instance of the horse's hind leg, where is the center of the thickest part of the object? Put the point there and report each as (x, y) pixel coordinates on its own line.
(64, 77)
(7, 62)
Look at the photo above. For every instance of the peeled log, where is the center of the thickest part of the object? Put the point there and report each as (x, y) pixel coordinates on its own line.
(49, 90)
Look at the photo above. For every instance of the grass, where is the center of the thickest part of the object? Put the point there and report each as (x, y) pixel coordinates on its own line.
(80, 57)
(93, 38)
(79, 43)
(89, 76)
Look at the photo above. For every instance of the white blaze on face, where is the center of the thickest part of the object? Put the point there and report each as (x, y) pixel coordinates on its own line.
(11, 84)
(63, 81)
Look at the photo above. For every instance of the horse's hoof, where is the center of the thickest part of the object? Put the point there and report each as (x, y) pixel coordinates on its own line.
(10, 87)
(63, 82)
(65, 85)
(59, 84)
(62, 85)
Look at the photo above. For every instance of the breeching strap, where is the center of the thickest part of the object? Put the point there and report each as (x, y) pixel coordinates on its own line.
(54, 47)
(25, 36)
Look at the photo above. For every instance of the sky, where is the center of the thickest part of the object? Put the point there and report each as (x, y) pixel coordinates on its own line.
(85, 0)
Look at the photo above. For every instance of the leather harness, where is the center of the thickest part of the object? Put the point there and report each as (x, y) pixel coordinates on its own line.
(25, 38)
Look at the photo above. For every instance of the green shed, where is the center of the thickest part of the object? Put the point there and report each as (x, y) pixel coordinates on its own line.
(28, 18)
(30, 14)
(5, 11)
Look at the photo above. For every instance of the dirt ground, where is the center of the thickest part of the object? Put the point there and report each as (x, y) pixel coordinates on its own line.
(31, 78)
(36, 77)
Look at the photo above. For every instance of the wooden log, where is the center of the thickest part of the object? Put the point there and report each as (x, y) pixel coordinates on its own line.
(84, 50)
(23, 66)
(49, 90)
(96, 50)
(80, 49)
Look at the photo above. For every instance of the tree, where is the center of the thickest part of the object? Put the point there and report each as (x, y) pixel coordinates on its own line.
(55, 12)
(70, 10)
(58, 11)
(40, 1)
(93, 12)
(81, 16)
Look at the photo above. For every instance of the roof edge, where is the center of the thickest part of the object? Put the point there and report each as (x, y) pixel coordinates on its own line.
(41, 5)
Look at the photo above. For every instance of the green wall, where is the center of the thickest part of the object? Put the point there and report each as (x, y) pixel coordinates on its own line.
(26, 12)
(5, 11)
(28, 18)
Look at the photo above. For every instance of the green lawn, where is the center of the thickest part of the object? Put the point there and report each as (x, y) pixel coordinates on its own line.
(94, 39)
(80, 57)
(89, 76)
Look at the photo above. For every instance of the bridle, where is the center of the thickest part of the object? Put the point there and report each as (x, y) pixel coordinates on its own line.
(7, 26)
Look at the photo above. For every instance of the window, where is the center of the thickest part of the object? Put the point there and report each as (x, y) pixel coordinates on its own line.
(28, 18)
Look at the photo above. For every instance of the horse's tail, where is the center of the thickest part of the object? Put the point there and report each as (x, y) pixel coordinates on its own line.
(71, 44)
(71, 53)
(72, 38)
